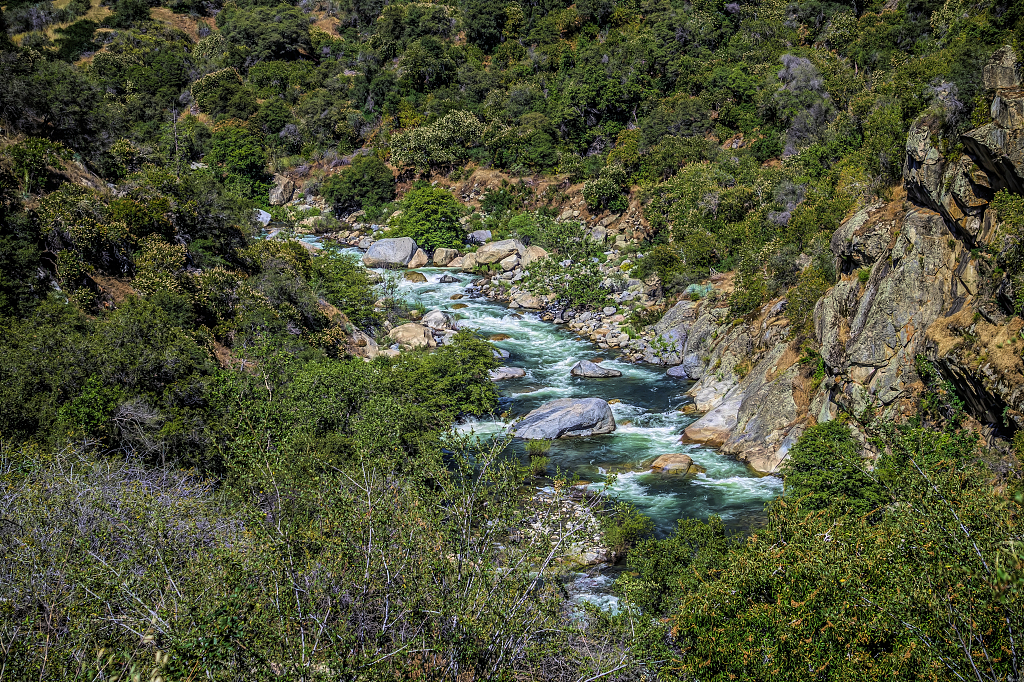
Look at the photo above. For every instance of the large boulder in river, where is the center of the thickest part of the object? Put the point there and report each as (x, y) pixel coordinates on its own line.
(503, 373)
(443, 257)
(567, 417)
(497, 251)
(436, 319)
(390, 253)
(419, 259)
(586, 368)
(412, 335)
(675, 463)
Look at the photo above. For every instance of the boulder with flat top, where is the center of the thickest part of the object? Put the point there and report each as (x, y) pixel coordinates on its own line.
(592, 370)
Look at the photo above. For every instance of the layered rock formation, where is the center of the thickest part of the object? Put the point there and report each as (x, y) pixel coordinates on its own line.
(913, 281)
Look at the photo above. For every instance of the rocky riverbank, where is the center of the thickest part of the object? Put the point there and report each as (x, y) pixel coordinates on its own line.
(914, 281)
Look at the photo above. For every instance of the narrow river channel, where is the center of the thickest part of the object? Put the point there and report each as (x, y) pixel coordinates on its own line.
(649, 422)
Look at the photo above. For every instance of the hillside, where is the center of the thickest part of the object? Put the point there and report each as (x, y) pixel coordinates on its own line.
(248, 431)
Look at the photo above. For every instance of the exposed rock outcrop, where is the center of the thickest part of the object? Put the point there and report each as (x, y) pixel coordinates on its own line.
(282, 191)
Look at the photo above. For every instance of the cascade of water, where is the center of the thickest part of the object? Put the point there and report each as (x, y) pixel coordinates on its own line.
(648, 420)
(646, 409)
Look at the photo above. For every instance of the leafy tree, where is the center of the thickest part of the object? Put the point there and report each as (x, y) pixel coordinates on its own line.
(267, 33)
(484, 23)
(443, 143)
(31, 158)
(345, 285)
(430, 215)
(223, 93)
(239, 152)
(128, 13)
(825, 468)
(366, 184)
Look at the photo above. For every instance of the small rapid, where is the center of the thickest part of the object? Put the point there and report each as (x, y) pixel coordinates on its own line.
(645, 403)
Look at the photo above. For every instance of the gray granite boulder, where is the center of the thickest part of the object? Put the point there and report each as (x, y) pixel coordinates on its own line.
(586, 368)
(503, 373)
(567, 417)
(390, 253)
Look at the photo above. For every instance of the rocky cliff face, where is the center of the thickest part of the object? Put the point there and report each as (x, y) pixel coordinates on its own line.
(913, 281)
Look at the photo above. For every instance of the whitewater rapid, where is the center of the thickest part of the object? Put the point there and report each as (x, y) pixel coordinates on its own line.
(645, 403)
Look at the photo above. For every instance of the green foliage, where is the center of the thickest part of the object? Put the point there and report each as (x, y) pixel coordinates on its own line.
(444, 143)
(366, 184)
(1010, 240)
(624, 527)
(662, 260)
(645, 317)
(32, 157)
(266, 33)
(343, 282)
(939, 402)
(430, 215)
(607, 191)
(811, 285)
(662, 572)
(538, 447)
(239, 153)
(575, 284)
(823, 584)
(825, 468)
(128, 13)
(539, 465)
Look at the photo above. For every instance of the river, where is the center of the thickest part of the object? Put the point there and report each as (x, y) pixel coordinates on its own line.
(649, 422)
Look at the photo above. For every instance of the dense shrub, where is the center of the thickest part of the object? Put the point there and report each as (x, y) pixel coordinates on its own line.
(366, 184)
(430, 215)
(909, 587)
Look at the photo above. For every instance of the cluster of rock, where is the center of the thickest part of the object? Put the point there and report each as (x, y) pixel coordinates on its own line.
(568, 517)
(434, 329)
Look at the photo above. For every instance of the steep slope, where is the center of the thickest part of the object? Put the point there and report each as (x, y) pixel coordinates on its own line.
(918, 276)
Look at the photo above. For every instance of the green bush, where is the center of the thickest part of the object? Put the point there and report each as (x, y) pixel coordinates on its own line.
(32, 157)
(826, 581)
(344, 283)
(825, 467)
(801, 299)
(430, 215)
(538, 447)
(625, 527)
(367, 184)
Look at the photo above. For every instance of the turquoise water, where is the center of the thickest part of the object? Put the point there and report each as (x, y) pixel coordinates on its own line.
(648, 420)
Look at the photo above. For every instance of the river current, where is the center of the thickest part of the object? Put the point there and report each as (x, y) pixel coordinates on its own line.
(645, 403)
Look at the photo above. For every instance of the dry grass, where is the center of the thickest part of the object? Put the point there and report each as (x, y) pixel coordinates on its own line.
(97, 12)
(182, 22)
